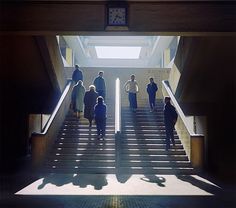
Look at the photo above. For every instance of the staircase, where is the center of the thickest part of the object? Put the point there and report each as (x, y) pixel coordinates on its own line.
(142, 148)
(77, 149)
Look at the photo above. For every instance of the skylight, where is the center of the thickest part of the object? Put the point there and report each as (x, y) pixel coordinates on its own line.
(117, 52)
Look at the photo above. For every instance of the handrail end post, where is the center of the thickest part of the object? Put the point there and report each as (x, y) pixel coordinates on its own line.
(197, 152)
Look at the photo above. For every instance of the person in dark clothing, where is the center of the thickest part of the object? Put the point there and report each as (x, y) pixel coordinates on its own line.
(77, 74)
(90, 98)
(100, 85)
(170, 118)
(100, 111)
(151, 90)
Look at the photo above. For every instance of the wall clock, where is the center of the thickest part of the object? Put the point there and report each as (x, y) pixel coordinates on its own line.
(117, 15)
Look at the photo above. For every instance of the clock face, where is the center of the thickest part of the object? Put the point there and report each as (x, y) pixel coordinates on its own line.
(117, 16)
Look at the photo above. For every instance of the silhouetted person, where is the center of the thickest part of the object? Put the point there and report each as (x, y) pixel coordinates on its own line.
(131, 87)
(100, 111)
(77, 98)
(100, 85)
(170, 118)
(151, 90)
(77, 74)
(90, 98)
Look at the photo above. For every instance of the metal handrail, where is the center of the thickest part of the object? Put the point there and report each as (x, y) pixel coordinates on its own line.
(117, 108)
(55, 111)
(178, 108)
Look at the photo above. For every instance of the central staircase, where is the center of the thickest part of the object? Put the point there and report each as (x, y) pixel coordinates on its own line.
(140, 149)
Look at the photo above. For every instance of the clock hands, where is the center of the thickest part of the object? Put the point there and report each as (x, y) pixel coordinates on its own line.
(117, 17)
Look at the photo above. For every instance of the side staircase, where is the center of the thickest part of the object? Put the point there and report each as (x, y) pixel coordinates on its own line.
(77, 149)
(142, 148)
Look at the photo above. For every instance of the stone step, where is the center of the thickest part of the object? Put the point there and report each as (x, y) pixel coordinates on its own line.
(158, 114)
(147, 113)
(141, 118)
(80, 156)
(142, 147)
(147, 141)
(83, 120)
(80, 163)
(76, 170)
(84, 140)
(135, 163)
(88, 150)
(142, 109)
(83, 126)
(97, 143)
(145, 136)
(136, 123)
(84, 135)
(86, 124)
(144, 131)
(157, 170)
(142, 127)
(78, 131)
(161, 157)
(153, 151)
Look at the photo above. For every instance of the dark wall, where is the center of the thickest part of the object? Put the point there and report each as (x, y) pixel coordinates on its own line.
(208, 87)
(26, 87)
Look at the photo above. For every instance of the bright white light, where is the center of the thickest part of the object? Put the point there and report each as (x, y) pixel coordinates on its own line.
(117, 52)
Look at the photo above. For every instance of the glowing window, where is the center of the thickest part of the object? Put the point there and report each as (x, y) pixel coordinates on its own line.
(117, 52)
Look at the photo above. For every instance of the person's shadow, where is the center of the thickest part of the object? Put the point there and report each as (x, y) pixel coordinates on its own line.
(56, 179)
(202, 184)
(122, 178)
(154, 179)
(96, 180)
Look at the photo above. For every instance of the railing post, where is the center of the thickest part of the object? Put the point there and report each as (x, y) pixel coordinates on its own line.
(197, 151)
(38, 146)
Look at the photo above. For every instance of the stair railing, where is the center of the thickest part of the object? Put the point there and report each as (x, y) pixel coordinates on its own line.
(117, 108)
(42, 142)
(193, 143)
(117, 122)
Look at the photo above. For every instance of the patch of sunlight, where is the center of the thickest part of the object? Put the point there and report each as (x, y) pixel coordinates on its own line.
(112, 184)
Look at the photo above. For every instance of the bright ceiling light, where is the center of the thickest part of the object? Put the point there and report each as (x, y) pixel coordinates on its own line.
(117, 52)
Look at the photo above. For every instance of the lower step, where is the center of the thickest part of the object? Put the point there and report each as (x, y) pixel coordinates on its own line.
(88, 170)
(156, 170)
(156, 164)
(80, 163)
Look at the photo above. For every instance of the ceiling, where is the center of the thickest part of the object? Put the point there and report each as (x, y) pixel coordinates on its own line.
(85, 55)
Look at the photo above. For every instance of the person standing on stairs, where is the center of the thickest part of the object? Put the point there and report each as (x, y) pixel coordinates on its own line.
(170, 118)
(77, 98)
(131, 87)
(90, 98)
(151, 90)
(100, 111)
(77, 74)
(100, 85)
